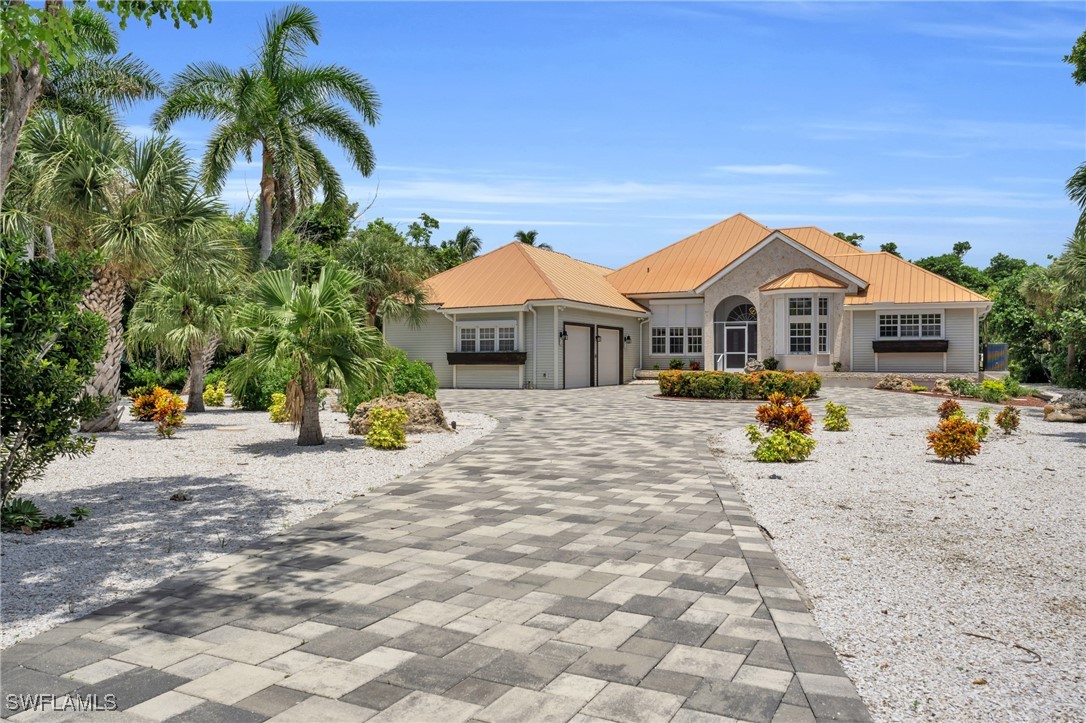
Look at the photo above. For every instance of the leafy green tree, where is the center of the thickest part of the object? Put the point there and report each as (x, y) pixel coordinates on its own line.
(137, 203)
(34, 37)
(951, 266)
(319, 329)
(852, 238)
(48, 349)
(1001, 267)
(890, 248)
(531, 238)
(1014, 321)
(420, 232)
(188, 309)
(1077, 59)
(277, 107)
(961, 248)
(391, 272)
(325, 224)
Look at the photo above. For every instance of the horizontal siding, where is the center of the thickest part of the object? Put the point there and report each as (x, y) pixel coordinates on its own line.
(546, 377)
(485, 376)
(429, 342)
(863, 333)
(629, 327)
(913, 362)
(961, 333)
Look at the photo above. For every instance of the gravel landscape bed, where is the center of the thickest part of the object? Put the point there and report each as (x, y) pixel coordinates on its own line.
(908, 560)
(246, 478)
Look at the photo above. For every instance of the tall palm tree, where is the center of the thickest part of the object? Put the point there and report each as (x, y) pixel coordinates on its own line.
(467, 244)
(390, 271)
(134, 202)
(188, 309)
(320, 329)
(277, 107)
(530, 238)
(1076, 191)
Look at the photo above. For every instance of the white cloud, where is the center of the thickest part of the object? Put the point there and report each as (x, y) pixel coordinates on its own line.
(777, 169)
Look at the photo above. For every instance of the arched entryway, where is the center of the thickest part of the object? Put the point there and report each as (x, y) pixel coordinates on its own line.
(735, 333)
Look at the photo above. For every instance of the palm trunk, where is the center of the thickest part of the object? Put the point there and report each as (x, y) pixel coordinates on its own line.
(267, 202)
(106, 297)
(50, 247)
(208, 358)
(309, 431)
(1072, 357)
(196, 378)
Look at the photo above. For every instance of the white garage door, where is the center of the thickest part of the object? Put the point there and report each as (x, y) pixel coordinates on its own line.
(578, 351)
(608, 356)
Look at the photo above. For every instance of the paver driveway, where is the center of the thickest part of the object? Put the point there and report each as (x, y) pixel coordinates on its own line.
(586, 561)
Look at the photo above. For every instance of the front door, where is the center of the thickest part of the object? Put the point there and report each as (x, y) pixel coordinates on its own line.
(735, 347)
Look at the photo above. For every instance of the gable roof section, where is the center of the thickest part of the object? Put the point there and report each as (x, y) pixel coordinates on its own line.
(893, 280)
(685, 264)
(516, 273)
(802, 279)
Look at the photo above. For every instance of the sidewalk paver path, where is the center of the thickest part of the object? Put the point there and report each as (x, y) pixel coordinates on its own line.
(587, 561)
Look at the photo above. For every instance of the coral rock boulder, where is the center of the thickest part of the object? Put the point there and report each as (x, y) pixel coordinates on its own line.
(895, 382)
(423, 414)
(1068, 408)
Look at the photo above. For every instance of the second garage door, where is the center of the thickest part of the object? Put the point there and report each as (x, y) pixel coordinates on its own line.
(608, 356)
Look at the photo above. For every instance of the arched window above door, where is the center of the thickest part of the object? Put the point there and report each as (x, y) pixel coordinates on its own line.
(743, 312)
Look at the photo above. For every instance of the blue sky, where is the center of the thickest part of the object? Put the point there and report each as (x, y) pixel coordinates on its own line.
(616, 128)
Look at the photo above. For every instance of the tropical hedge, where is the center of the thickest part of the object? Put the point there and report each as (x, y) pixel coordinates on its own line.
(737, 385)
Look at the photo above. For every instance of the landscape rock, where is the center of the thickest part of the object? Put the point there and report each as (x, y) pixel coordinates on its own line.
(753, 365)
(895, 382)
(1068, 408)
(941, 387)
(423, 414)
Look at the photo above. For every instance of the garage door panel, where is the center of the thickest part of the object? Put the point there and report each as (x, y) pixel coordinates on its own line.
(578, 356)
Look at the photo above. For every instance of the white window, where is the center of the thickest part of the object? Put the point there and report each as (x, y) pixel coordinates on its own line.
(675, 340)
(693, 340)
(799, 337)
(467, 338)
(487, 336)
(911, 326)
(823, 338)
(659, 340)
(823, 306)
(799, 306)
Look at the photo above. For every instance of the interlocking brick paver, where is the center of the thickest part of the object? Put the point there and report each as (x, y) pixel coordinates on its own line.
(589, 560)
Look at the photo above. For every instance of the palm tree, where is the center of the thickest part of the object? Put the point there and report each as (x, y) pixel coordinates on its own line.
(529, 237)
(136, 203)
(1076, 191)
(467, 244)
(189, 309)
(391, 273)
(318, 329)
(277, 107)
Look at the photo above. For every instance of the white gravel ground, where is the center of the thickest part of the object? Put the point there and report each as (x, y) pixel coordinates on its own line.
(247, 479)
(903, 555)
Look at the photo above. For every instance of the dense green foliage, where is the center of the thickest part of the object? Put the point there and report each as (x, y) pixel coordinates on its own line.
(737, 385)
(410, 376)
(48, 347)
(20, 515)
(254, 390)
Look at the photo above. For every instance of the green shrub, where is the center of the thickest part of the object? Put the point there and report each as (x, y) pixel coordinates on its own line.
(215, 394)
(1012, 387)
(388, 428)
(771, 363)
(213, 377)
(254, 392)
(20, 515)
(992, 391)
(412, 376)
(675, 364)
(984, 416)
(737, 385)
(278, 408)
(836, 418)
(837, 366)
(173, 379)
(1009, 419)
(963, 387)
(955, 439)
(780, 445)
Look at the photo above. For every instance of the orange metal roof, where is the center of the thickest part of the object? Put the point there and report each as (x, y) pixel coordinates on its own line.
(894, 280)
(518, 273)
(803, 279)
(685, 264)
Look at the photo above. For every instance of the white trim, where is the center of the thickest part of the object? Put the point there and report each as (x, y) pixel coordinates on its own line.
(560, 303)
(778, 236)
(927, 305)
(487, 322)
(976, 343)
(496, 325)
(806, 290)
(663, 295)
(519, 341)
(920, 323)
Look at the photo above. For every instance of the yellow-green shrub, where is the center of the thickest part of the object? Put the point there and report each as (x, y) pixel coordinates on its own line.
(278, 408)
(388, 428)
(836, 418)
(215, 394)
(780, 445)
